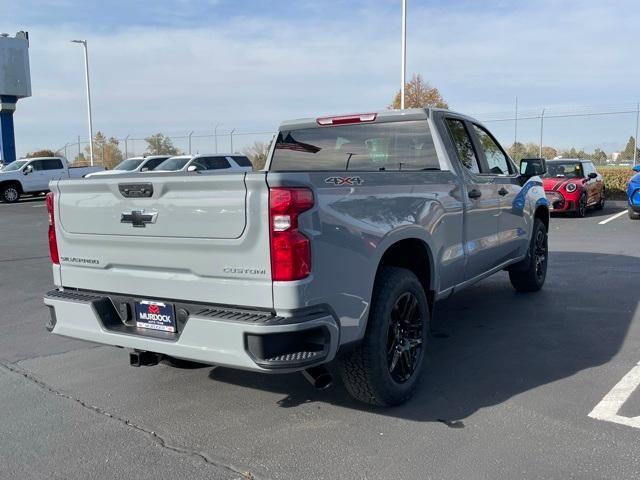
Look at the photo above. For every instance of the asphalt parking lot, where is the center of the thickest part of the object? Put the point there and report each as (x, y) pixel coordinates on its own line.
(508, 393)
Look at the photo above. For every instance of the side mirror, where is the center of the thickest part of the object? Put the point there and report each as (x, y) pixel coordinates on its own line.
(593, 175)
(144, 169)
(636, 168)
(27, 170)
(531, 167)
(192, 168)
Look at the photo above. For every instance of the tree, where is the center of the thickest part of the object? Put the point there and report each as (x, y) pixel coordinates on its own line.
(549, 152)
(80, 160)
(258, 153)
(41, 153)
(419, 94)
(627, 153)
(159, 144)
(599, 156)
(105, 151)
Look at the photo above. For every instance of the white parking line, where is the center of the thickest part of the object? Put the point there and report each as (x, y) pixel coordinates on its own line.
(611, 404)
(612, 217)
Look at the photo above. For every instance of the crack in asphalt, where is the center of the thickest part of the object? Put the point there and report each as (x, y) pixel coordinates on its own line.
(159, 439)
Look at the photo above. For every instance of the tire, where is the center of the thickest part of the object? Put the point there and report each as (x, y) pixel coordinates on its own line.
(10, 193)
(581, 208)
(600, 205)
(633, 215)
(386, 367)
(530, 274)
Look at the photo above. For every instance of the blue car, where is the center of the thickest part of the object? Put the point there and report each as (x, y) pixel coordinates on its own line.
(633, 191)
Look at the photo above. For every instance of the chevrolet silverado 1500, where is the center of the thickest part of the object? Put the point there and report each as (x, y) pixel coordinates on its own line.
(339, 249)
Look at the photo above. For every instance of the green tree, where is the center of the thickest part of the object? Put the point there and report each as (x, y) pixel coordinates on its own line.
(106, 151)
(599, 156)
(258, 153)
(159, 144)
(627, 153)
(41, 153)
(419, 94)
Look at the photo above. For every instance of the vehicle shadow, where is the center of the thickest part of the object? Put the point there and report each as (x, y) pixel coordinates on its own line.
(609, 209)
(490, 343)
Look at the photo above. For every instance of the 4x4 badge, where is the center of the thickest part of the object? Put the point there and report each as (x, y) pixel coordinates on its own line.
(340, 181)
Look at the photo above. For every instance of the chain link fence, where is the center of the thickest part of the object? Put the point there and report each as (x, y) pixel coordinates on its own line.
(110, 151)
(605, 134)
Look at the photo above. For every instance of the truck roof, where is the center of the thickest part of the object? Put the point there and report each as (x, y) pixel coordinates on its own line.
(380, 117)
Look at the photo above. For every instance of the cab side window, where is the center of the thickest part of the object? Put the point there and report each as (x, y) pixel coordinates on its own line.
(463, 144)
(497, 162)
(37, 165)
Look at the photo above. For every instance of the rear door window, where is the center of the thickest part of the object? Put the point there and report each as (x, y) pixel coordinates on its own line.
(52, 164)
(211, 163)
(464, 145)
(242, 161)
(390, 146)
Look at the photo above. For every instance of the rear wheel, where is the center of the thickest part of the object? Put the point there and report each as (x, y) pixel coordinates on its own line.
(10, 193)
(530, 274)
(386, 367)
(633, 215)
(581, 208)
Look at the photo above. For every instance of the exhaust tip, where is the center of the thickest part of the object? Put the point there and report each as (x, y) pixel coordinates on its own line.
(319, 377)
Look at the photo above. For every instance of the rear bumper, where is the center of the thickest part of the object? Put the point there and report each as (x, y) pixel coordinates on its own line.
(234, 338)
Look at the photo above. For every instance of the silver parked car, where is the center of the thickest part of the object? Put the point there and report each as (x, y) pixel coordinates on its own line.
(193, 163)
(338, 250)
(133, 165)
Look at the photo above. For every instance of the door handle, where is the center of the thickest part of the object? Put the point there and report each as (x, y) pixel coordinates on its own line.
(475, 193)
(503, 191)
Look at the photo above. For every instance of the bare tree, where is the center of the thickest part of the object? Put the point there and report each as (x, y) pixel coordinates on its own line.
(257, 153)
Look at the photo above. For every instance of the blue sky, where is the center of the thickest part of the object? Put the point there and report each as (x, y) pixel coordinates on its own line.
(182, 65)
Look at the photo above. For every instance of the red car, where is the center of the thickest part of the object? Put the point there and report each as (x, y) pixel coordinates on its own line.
(573, 186)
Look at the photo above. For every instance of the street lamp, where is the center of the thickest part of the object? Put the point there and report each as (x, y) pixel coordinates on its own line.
(86, 71)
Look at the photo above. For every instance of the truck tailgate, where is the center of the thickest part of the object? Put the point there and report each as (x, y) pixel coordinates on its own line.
(197, 237)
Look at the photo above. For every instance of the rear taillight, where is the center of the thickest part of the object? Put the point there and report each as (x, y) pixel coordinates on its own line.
(290, 249)
(53, 243)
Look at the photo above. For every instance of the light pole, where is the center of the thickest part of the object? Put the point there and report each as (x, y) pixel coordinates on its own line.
(190, 133)
(86, 72)
(215, 135)
(231, 135)
(404, 53)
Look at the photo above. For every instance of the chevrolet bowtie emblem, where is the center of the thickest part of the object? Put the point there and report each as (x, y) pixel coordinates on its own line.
(138, 218)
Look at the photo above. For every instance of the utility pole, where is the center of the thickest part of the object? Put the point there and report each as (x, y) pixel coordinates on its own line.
(86, 72)
(635, 145)
(515, 132)
(541, 130)
(404, 53)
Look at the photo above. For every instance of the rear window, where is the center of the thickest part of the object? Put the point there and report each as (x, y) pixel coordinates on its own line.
(392, 146)
(242, 161)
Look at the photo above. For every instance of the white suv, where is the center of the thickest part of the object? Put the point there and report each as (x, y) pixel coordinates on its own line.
(192, 163)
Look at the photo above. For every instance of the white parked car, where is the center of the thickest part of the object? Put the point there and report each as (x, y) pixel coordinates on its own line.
(134, 164)
(31, 176)
(193, 163)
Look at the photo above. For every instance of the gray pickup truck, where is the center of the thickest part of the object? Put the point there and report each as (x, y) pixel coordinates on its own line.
(338, 250)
